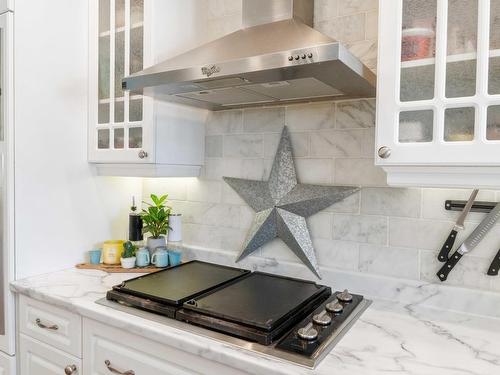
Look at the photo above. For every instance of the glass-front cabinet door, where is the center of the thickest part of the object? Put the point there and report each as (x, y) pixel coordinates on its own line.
(120, 124)
(439, 83)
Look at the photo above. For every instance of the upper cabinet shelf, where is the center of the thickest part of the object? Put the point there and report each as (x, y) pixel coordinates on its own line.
(459, 57)
(438, 104)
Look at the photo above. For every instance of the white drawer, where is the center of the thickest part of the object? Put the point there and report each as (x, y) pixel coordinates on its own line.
(109, 350)
(54, 326)
(37, 358)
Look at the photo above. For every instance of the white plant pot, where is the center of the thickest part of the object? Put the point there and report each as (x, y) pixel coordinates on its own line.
(153, 243)
(128, 262)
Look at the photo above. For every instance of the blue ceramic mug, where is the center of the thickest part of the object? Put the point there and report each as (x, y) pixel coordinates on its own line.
(95, 256)
(160, 257)
(142, 257)
(174, 257)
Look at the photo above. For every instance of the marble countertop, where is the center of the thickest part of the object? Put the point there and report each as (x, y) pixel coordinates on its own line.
(388, 338)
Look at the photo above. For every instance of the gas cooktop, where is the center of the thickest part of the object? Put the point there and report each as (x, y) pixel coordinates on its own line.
(292, 319)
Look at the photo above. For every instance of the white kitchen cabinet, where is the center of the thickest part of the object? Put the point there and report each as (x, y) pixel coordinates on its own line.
(438, 100)
(130, 134)
(37, 358)
(109, 350)
(52, 325)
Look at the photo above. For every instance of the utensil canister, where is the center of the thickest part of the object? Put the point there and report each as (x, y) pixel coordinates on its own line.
(175, 231)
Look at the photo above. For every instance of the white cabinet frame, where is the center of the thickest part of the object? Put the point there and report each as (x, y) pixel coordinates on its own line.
(112, 155)
(457, 156)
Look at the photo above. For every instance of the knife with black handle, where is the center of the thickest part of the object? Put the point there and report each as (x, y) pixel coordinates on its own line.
(471, 242)
(459, 225)
(495, 265)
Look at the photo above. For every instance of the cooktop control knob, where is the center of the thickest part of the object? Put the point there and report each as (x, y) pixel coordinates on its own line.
(308, 333)
(334, 307)
(322, 319)
(345, 296)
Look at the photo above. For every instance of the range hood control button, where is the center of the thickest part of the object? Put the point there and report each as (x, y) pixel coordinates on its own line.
(290, 58)
(308, 333)
(334, 307)
(303, 56)
(322, 319)
(297, 57)
(345, 296)
(310, 55)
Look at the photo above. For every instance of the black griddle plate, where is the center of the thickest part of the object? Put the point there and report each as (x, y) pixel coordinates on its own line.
(259, 300)
(178, 284)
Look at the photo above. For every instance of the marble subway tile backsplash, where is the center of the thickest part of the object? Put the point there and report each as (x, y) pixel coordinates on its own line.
(380, 231)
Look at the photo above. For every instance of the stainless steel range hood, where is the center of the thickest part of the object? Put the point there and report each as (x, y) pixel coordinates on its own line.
(275, 58)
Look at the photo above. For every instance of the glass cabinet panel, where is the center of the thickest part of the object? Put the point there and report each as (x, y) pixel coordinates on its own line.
(119, 46)
(135, 110)
(119, 111)
(136, 54)
(119, 138)
(135, 138)
(103, 113)
(104, 68)
(461, 48)
(416, 126)
(103, 138)
(104, 16)
(136, 12)
(494, 66)
(493, 123)
(459, 124)
(418, 50)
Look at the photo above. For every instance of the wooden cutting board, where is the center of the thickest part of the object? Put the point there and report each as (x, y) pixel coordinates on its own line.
(116, 268)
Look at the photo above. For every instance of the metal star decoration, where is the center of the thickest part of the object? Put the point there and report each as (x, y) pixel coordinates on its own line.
(282, 206)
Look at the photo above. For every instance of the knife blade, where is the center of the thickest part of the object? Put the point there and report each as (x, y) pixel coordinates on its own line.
(471, 242)
(495, 265)
(459, 225)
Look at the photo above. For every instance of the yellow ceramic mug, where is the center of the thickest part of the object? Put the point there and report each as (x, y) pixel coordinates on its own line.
(112, 251)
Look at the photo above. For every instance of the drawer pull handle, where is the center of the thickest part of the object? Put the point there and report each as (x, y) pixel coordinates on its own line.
(39, 323)
(70, 369)
(115, 371)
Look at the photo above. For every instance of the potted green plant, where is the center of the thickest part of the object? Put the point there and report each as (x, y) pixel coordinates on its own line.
(128, 256)
(155, 220)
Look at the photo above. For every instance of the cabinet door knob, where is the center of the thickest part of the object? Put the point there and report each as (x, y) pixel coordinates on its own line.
(39, 323)
(115, 371)
(143, 154)
(70, 369)
(384, 152)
